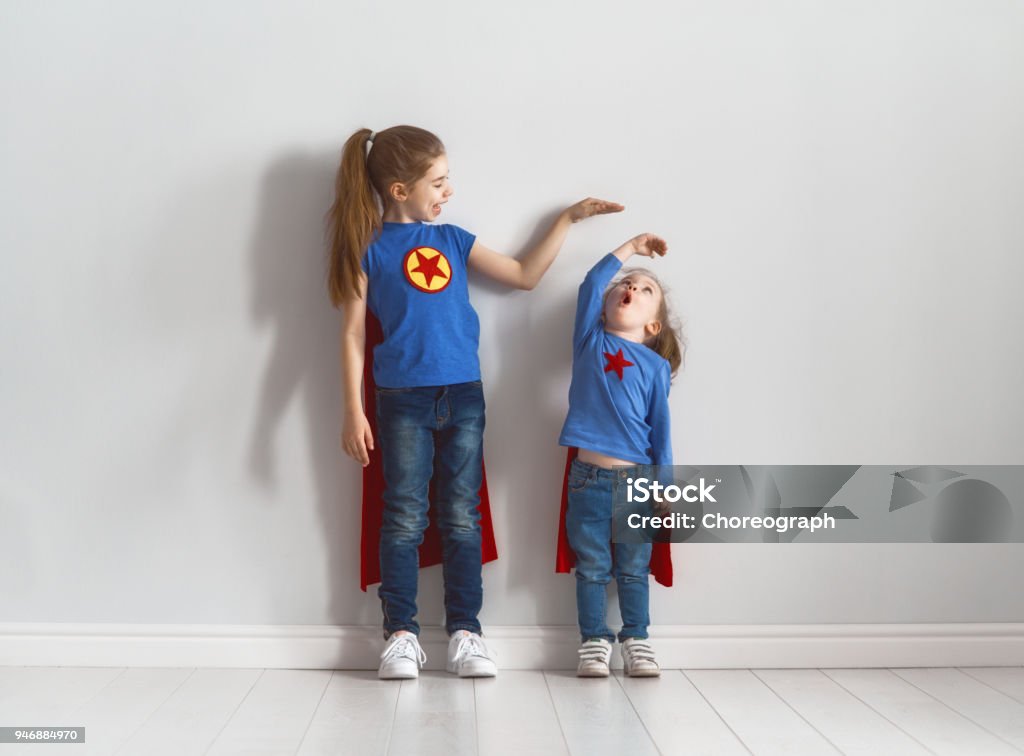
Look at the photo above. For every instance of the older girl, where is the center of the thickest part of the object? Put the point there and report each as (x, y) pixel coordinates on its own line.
(388, 254)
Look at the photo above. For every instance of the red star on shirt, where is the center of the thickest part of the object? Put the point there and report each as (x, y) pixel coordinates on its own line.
(616, 362)
(429, 267)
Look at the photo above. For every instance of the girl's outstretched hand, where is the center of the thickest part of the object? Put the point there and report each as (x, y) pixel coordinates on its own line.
(591, 206)
(647, 245)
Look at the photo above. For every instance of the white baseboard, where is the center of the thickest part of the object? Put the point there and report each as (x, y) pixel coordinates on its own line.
(516, 647)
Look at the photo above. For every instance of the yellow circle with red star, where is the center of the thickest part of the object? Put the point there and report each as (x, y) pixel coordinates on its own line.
(427, 269)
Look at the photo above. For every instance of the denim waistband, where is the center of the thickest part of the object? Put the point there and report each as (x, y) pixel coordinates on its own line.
(604, 472)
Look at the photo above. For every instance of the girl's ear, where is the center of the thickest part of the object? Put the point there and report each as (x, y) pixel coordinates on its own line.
(652, 329)
(397, 191)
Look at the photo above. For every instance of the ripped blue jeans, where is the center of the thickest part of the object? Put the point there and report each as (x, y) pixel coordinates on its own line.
(431, 433)
(588, 524)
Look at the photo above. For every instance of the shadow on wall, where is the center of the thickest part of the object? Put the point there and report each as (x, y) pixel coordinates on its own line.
(526, 398)
(289, 297)
(527, 395)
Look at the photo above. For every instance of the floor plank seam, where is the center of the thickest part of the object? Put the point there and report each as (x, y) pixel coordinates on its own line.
(315, 710)
(905, 732)
(133, 733)
(554, 708)
(625, 693)
(234, 712)
(793, 709)
(717, 712)
(962, 715)
(966, 671)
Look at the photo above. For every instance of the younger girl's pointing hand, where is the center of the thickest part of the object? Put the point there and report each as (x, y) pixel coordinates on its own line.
(647, 245)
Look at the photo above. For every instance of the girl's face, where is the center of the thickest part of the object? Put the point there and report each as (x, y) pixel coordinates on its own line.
(631, 307)
(432, 190)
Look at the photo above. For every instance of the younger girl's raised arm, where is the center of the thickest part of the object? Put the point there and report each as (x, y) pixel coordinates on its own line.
(590, 296)
(526, 272)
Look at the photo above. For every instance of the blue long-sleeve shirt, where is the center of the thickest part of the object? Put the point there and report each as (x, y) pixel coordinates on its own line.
(618, 398)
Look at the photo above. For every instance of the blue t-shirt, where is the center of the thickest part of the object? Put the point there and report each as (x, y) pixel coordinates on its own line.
(618, 398)
(416, 288)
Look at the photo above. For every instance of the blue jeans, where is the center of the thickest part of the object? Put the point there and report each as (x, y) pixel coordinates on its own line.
(588, 525)
(431, 433)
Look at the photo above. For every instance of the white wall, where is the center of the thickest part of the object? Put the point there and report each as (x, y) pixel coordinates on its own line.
(840, 184)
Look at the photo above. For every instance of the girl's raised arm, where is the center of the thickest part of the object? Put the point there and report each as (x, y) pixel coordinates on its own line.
(526, 272)
(356, 436)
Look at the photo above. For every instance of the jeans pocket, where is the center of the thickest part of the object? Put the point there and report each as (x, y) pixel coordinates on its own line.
(578, 480)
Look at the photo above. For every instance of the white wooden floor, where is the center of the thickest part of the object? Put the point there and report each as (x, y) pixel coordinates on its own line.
(274, 711)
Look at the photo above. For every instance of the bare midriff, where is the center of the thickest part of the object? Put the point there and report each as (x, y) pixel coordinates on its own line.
(601, 460)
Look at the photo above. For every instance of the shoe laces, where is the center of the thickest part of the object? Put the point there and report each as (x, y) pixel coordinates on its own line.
(406, 646)
(470, 645)
(640, 650)
(594, 650)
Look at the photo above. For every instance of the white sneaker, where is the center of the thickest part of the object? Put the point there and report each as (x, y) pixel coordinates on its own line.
(402, 658)
(638, 658)
(469, 657)
(595, 655)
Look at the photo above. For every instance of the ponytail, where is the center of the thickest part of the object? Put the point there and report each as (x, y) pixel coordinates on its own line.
(353, 218)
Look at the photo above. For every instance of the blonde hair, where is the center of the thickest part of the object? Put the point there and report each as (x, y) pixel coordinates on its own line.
(669, 342)
(400, 154)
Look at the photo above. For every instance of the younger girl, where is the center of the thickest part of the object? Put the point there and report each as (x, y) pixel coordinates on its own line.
(411, 273)
(625, 352)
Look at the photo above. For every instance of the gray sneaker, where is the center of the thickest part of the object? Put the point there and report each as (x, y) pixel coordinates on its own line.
(468, 656)
(402, 658)
(638, 658)
(595, 655)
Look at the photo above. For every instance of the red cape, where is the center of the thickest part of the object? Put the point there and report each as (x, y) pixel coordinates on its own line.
(373, 488)
(661, 553)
